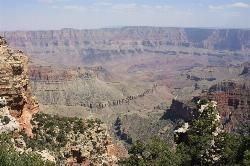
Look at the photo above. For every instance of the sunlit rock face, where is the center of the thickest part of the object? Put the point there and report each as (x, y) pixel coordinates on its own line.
(15, 92)
(233, 103)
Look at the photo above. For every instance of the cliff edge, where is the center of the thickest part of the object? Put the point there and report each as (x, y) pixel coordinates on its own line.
(15, 91)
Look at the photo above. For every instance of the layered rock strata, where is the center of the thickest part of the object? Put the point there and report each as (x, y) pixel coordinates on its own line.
(15, 91)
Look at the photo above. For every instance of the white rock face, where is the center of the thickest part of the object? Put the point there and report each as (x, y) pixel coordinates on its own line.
(12, 125)
(203, 107)
(46, 155)
(183, 129)
(214, 104)
(3, 101)
(217, 117)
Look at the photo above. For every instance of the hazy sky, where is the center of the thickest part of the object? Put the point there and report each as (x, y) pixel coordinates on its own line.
(83, 14)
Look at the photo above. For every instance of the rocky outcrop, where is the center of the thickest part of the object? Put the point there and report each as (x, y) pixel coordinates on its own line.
(233, 103)
(8, 123)
(245, 70)
(94, 146)
(180, 110)
(15, 91)
(73, 141)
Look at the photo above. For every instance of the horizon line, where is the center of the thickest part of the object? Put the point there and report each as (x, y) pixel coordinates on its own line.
(126, 26)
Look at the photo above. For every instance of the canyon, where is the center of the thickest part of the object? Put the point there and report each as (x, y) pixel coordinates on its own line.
(138, 80)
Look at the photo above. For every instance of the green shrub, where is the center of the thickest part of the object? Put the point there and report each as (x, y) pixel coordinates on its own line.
(155, 152)
(9, 157)
(246, 158)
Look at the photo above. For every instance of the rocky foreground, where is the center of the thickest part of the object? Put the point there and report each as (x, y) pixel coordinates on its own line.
(15, 92)
(60, 140)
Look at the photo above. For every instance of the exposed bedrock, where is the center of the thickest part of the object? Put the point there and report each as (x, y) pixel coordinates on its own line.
(15, 90)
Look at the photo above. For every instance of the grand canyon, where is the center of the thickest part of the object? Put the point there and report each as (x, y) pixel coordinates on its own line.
(130, 72)
(129, 95)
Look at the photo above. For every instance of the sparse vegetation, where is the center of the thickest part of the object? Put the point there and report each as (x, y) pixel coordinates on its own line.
(53, 133)
(9, 156)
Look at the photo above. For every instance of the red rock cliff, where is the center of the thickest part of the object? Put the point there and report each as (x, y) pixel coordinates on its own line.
(15, 92)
